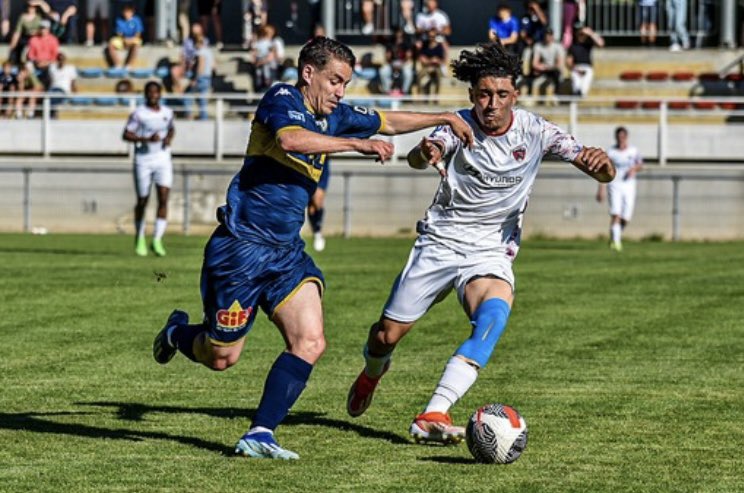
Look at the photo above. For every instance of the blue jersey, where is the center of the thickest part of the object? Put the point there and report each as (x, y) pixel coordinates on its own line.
(266, 200)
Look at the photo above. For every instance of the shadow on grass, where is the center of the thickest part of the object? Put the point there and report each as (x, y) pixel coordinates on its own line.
(59, 251)
(132, 411)
(444, 459)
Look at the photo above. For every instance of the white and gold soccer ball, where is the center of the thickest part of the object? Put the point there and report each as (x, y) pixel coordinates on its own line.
(496, 434)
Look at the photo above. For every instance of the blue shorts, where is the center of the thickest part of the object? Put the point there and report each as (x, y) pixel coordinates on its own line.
(325, 176)
(239, 276)
(648, 15)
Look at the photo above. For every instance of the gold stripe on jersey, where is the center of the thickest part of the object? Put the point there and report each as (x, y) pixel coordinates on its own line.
(383, 122)
(263, 142)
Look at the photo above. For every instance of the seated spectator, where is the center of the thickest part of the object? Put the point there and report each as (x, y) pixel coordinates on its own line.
(431, 63)
(396, 75)
(62, 80)
(63, 15)
(548, 59)
(534, 24)
(188, 49)
(433, 18)
(268, 57)
(43, 49)
(127, 36)
(26, 26)
(8, 86)
(201, 82)
(505, 27)
(175, 85)
(368, 15)
(97, 13)
(579, 59)
(255, 15)
(29, 83)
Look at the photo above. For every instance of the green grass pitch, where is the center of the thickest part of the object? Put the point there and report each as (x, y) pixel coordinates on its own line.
(629, 370)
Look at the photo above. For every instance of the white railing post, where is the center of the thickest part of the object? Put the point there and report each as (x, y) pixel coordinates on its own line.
(26, 200)
(661, 150)
(347, 204)
(186, 202)
(46, 116)
(130, 145)
(219, 128)
(675, 208)
(395, 106)
(573, 117)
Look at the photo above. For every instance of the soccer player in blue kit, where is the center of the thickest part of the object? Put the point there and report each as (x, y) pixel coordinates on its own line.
(256, 257)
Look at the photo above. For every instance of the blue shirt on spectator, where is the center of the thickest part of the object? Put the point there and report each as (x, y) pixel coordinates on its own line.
(504, 29)
(129, 28)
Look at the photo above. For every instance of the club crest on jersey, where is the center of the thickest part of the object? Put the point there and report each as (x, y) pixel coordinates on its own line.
(519, 153)
(234, 318)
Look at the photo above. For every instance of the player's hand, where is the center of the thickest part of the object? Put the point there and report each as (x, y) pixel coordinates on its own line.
(432, 153)
(461, 130)
(600, 194)
(155, 137)
(374, 147)
(595, 160)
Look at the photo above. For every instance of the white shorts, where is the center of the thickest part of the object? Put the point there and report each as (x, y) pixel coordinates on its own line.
(433, 270)
(98, 6)
(621, 197)
(145, 174)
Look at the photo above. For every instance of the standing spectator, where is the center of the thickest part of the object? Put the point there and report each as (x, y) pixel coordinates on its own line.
(63, 14)
(434, 20)
(396, 75)
(62, 80)
(127, 36)
(269, 55)
(255, 15)
(211, 9)
(677, 17)
(648, 21)
(29, 83)
(201, 81)
(4, 19)
(184, 18)
(579, 58)
(43, 49)
(188, 49)
(570, 17)
(431, 62)
(534, 23)
(28, 25)
(548, 59)
(505, 28)
(97, 12)
(621, 192)
(8, 86)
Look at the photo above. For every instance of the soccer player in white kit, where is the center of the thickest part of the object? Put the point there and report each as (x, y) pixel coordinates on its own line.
(470, 234)
(150, 127)
(621, 193)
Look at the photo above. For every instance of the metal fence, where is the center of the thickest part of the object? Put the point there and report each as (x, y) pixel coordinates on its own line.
(394, 197)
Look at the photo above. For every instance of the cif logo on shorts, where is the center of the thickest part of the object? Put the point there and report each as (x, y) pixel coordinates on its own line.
(234, 318)
(519, 153)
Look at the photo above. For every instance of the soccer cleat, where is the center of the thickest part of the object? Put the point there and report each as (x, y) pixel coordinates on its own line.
(157, 247)
(616, 246)
(140, 247)
(162, 350)
(263, 446)
(436, 427)
(318, 242)
(361, 393)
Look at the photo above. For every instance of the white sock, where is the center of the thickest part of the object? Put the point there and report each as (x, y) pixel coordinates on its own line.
(375, 365)
(616, 232)
(456, 380)
(259, 429)
(159, 231)
(139, 226)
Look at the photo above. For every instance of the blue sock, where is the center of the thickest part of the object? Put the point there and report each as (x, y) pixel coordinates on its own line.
(183, 338)
(283, 387)
(316, 220)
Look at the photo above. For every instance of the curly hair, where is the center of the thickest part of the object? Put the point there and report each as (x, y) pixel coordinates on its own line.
(488, 59)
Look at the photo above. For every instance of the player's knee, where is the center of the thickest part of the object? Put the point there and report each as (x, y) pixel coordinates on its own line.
(489, 322)
(310, 347)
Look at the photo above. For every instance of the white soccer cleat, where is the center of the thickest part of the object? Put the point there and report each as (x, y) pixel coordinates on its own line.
(435, 427)
(262, 446)
(318, 242)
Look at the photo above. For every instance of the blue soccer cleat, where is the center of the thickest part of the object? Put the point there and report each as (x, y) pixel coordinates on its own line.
(162, 350)
(263, 446)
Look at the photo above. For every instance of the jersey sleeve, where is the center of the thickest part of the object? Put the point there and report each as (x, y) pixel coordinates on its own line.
(357, 121)
(279, 111)
(133, 123)
(557, 142)
(444, 136)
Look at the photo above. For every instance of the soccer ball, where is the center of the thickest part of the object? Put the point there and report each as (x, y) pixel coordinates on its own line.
(496, 434)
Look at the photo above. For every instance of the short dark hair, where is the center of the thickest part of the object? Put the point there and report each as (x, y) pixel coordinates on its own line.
(319, 51)
(488, 59)
(153, 83)
(618, 130)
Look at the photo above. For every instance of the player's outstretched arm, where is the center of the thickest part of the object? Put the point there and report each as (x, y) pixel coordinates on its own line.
(428, 153)
(401, 122)
(304, 141)
(595, 162)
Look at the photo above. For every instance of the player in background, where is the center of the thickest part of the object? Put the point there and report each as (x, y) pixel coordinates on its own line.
(316, 208)
(471, 233)
(621, 193)
(150, 127)
(256, 258)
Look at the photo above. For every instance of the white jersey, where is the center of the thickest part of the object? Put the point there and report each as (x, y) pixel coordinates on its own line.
(624, 160)
(479, 206)
(144, 122)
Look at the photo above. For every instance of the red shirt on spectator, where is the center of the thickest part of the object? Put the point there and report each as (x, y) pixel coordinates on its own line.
(43, 48)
